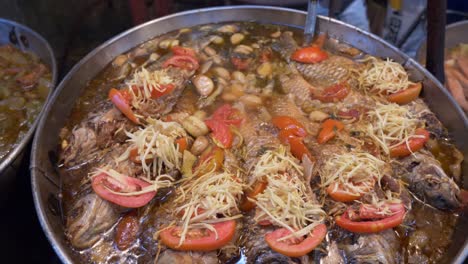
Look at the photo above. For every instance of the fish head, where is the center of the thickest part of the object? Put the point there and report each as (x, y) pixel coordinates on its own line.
(438, 188)
(271, 257)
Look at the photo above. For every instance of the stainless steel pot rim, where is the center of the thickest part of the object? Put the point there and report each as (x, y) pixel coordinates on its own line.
(35, 172)
(13, 154)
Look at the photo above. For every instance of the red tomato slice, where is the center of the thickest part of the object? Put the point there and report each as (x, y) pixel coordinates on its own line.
(370, 226)
(289, 123)
(328, 131)
(296, 248)
(297, 147)
(120, 101)
(200, 239)
(227, 114)
(241, 64)
(257, 189)
(178, 50)
(266, 55)
(367, 211)
(103, 182)
(221, 132)
(182, 142)
(166, 89)
(219, 124)
(407, 95)
(309, 55)
(340, 195)
(415, 144)
(333, 93)
(182, 61)
(155, 93)
(350, 114)
(265, 223)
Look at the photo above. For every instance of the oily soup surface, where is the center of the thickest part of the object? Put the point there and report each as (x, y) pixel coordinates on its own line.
(234, 126)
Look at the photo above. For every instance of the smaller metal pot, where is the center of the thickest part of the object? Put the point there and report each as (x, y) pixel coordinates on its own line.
(25, 39)
(454, 34)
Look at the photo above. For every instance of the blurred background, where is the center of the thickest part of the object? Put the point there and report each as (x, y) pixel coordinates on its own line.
(74, 28)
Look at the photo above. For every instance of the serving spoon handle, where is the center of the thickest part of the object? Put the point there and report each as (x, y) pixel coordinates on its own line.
(309, 29)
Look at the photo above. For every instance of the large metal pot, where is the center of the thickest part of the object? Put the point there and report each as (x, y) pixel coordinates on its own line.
(27, 40)
(46, 181)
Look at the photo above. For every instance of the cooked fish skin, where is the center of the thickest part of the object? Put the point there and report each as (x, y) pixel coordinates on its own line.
(258, 137)
(285, 106)
(298, 87)
(326, 73)
(163, 105)
(333, 256)
(170, 256)
(99, 130)
(378, 248)
(428, 181)
(88, 219)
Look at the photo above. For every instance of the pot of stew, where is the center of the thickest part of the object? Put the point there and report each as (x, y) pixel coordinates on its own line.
(28, 75)
(215, 136)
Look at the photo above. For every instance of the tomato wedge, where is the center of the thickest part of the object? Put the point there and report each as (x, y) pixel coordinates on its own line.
(297, 248)
(121, 101)
(415, 144)
(312, 54)
(221, 132)
(102, 185)
(178, 50)
(407, 95)
(241, 64)
(333, 93)
(371, 212)
(289, 123)
(182, 61)
(265, 223)
(165, 89)
(375, 226)
(257, 189)
(340, 195)
(182, 143)
(227, 114)
(199, 239)
(329, 129)
(219, 123)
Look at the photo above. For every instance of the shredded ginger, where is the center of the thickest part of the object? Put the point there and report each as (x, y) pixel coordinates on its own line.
(355, 172)
(391, 125)
(383, 202)
(156, 146)
(162, 181)
(383, 77)
(284, 202)
(147, 82)
(208, 199)
(274, 162)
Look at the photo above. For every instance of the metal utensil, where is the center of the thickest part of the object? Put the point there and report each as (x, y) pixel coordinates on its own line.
(311, 19)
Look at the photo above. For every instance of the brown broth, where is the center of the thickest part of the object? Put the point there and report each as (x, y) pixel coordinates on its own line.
(24, 85)
(436, 224)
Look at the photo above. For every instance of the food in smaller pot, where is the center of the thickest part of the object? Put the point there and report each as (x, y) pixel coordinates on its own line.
(25, 83)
